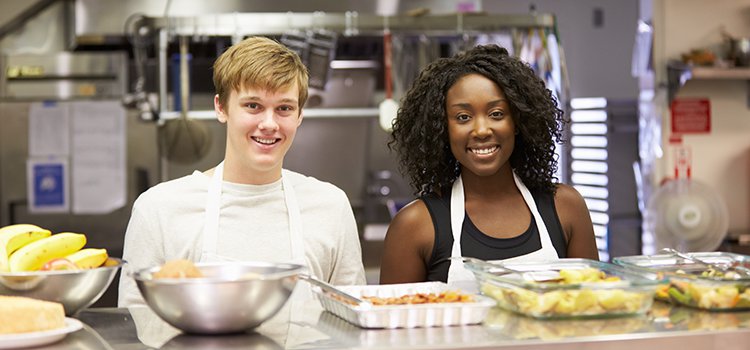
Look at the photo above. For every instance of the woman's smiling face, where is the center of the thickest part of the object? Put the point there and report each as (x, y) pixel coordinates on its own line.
(480, 126)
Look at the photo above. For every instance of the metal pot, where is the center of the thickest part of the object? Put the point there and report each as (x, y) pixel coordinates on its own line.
(742, 52)
(738, 50)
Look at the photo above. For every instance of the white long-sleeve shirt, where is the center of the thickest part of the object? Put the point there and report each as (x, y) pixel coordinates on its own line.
(167, 223)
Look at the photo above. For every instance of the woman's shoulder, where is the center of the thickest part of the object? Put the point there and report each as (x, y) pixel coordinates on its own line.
(576, 222)
(414, 212)
(567, 195)
(570, 205)
(412, 227)
(414, 221)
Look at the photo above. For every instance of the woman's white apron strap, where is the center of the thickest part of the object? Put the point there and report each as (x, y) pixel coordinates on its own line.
(548, 251)
(457, 273)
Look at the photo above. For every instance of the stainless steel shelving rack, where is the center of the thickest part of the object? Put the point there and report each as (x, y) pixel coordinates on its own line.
(348, 23)
(239, 25)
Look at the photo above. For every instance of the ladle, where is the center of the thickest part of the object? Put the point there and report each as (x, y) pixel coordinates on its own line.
(185, 140)
(388, 108)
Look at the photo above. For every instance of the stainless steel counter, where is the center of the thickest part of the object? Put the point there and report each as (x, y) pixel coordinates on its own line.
(310, 327)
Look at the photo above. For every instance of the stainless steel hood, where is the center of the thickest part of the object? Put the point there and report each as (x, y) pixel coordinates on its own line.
(103, 21)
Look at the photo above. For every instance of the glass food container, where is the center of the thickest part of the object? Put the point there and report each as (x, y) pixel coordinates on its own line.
(691, 283)
(514, 326)
(565, 288)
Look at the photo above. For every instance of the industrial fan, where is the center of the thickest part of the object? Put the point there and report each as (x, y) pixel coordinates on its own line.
(687, 215)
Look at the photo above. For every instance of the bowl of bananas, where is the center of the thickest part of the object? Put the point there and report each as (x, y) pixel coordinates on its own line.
(38, 264)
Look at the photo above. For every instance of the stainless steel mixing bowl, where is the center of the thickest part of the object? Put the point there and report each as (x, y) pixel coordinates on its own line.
(231, 297)
(75, 289)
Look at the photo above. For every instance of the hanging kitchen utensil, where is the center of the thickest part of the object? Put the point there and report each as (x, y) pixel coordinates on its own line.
(389, 107)
(186, 140)
(564, 77)
(322, 50)
(297, 42)
(140, 36)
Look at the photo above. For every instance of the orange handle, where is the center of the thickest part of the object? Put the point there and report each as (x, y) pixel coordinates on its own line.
(387, 62)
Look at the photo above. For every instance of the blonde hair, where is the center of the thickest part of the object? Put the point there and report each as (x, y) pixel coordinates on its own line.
(259, 62)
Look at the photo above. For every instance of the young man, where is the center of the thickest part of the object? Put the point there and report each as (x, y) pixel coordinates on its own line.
(247, 207)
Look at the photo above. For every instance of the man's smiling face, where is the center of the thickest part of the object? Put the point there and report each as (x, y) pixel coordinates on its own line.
(261, 126)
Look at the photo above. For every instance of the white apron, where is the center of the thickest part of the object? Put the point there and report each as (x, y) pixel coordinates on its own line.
(457, 273)
(211, 228)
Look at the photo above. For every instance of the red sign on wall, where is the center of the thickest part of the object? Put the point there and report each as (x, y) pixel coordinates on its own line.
(691, 115)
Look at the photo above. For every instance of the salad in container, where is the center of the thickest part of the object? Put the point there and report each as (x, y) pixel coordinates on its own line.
(565, 288)
(716, 281)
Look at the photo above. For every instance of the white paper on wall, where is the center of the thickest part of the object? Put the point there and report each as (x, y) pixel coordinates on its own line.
(48, 129)
(98, 145)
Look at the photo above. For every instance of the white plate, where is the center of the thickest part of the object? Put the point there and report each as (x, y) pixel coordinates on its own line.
(23, 340)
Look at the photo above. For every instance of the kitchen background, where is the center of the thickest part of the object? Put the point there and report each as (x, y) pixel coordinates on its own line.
(99, 55)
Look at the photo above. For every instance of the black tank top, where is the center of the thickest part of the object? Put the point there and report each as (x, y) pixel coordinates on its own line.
(474, 243)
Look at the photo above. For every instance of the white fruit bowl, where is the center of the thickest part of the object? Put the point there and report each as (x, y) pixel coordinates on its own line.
(75, 289)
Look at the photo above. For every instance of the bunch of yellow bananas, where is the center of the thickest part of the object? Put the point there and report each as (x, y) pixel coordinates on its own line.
(26, 247)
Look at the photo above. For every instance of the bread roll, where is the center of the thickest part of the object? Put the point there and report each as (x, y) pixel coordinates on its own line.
(178, 269)
(23, 315)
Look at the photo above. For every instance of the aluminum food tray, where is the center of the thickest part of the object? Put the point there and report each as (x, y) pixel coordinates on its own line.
(406, 316)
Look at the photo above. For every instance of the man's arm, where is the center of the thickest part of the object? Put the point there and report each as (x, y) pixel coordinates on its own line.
(143, 248)
(348, 268)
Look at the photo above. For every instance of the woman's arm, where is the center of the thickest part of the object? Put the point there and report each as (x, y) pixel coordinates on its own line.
(408, 245)
(576, 223)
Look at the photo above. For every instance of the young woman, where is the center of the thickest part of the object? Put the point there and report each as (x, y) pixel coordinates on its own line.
(476, 135)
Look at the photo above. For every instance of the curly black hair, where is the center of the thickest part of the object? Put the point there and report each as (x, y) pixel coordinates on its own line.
(420, 131)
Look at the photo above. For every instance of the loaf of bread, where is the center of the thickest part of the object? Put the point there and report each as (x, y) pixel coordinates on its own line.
(23, 315)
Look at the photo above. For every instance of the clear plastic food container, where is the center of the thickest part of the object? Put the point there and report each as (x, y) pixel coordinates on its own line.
(407, 315)
(690, 283)
(565, 288)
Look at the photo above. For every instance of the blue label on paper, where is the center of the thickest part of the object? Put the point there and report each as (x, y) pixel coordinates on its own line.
(49, 185)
